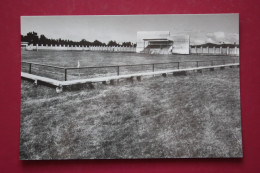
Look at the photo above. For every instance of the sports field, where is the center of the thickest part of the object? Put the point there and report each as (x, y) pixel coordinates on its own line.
(89, 58)
(197, 115)
(97, 59)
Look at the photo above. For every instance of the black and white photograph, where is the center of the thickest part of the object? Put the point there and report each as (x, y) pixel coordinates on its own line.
(130, 87)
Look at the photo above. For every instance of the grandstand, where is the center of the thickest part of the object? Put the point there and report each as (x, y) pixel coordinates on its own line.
(161, 42)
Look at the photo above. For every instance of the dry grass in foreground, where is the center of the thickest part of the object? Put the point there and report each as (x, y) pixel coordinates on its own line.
(197, 115)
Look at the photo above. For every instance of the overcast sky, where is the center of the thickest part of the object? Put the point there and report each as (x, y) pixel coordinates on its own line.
(212, 28)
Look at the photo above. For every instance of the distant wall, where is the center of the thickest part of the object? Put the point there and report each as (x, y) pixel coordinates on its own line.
(82, 48)
(112, 49)
(55, 47)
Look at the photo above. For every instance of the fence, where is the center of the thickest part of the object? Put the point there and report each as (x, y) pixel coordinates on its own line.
(81, 48)
(72, 73)
(112, 48)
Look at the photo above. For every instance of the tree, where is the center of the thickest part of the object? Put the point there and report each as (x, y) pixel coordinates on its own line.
(32, 38)
(43, 40)
(98, 43)
(112, 43)
(85, 42)
(127, 44)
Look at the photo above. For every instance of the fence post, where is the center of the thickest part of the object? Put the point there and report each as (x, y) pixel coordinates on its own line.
(197, 63)
(153, 67)
(118, 70)
(30, 68)
(178, 65)
(65, 74)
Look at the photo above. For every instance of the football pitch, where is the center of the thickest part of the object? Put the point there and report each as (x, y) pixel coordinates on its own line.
(109, 63)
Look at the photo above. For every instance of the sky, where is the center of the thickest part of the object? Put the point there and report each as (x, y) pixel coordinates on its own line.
(209, 28)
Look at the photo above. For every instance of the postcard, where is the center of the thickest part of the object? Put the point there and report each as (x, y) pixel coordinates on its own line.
(130, 87)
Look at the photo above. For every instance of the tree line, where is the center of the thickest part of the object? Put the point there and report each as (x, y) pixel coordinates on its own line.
(33, 38)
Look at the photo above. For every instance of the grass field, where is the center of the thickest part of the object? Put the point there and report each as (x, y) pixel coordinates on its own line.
(197, 115)
(88, 58)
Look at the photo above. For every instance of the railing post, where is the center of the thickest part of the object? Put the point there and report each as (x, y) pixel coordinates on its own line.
(118, 70)
(178, 63)
(153, 67)
(197, 63)
(30, 68)
(65, 74)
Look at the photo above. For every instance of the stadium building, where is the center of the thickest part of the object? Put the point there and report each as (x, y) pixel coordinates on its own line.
(161, 42)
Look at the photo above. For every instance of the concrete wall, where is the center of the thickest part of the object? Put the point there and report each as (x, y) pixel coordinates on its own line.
(181, 44)
(55, 47)
(112, 49)
(82, 48)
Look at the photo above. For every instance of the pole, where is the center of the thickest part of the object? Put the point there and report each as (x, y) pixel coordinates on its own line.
(30, 68)
(178, 65)
(118, 70)
(65, 74)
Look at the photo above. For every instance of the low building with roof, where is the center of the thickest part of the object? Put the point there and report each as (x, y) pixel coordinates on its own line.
(24, 44)
(215, 49)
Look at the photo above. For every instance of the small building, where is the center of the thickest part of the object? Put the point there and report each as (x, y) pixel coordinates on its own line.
(24, 44)
(215, 49)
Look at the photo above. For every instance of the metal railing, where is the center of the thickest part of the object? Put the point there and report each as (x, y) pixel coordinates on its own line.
(117, 67)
